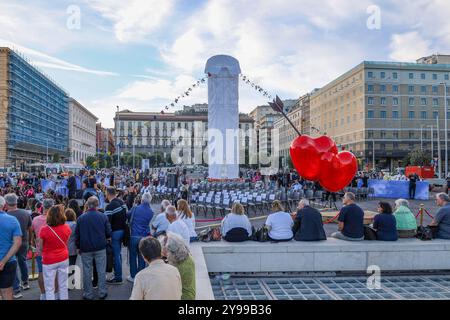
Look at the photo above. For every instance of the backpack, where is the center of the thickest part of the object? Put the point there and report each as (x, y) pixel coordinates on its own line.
(261, 235)
(424, 233)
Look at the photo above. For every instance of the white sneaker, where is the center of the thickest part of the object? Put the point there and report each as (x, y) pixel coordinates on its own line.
(130, 279)
(109, 276)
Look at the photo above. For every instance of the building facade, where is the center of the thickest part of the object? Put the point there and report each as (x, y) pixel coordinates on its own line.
(82, 134)
(150, 132)
(34, 114)
(105, 140)
(383, 110)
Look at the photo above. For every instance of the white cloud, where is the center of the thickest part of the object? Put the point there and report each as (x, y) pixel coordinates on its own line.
(409, 46)
(133, 20)
(44, 60)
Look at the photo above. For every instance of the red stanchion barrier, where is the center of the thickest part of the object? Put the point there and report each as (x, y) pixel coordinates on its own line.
(332, 219)
(426, 211)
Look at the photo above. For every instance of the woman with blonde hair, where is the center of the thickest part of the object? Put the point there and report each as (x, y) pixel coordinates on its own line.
(236, 226)
(178, 255)
(279, 223)
(185, 213)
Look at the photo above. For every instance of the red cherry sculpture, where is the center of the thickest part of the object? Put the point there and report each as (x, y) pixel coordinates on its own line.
(306, 153)
(317, 159)
(337, 170)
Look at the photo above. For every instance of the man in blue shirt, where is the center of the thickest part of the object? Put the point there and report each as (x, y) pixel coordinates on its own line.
(139, 218)
(442, 218)
(10, 242)
(351, 220)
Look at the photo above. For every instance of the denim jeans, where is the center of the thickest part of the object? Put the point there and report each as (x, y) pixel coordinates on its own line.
(116, 243)
(137, 263)
(21, 256)
(100, 262)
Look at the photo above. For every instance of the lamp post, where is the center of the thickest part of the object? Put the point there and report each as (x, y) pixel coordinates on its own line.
(421, 137)
(439, 148)
(373, 155)
(445, 128)
(118, 139)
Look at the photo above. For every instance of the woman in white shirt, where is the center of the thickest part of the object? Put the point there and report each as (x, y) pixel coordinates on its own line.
(279, 223)
(236, 226)
(185, 214)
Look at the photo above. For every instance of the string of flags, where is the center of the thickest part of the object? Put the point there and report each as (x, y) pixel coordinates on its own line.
(184, 94)
(258, 88)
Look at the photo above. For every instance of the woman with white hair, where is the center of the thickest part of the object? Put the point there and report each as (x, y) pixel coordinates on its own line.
(406, 221)
(178, 255)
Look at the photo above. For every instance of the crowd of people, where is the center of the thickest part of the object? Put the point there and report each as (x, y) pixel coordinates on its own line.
(64, 235)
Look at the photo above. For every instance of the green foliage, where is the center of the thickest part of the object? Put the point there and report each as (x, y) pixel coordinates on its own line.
(56, 158)
(417, 158)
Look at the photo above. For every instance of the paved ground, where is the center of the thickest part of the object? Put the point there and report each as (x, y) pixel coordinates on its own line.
(123, 291)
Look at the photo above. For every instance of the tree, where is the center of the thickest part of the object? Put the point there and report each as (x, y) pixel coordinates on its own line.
(417, 158)
(90, 161)
(56, 158)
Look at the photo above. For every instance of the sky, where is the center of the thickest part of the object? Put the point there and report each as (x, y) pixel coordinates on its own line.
(142, 54)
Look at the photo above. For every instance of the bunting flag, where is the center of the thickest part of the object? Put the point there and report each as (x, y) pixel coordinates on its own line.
(255, 86)
(185, 93)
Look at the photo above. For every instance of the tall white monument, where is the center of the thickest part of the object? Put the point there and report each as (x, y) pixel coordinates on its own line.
(223, 117)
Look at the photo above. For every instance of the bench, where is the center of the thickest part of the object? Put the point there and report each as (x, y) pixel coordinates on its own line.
(332, 255)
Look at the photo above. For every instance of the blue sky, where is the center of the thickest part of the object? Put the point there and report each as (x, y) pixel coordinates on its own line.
(142, 54)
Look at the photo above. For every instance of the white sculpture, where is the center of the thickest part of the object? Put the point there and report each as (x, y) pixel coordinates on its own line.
(223, 117)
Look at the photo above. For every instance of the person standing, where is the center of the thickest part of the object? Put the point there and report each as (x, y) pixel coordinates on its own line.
(72, 185)
(351, 220)
(92, 232)
(24, 219)
(412, 185)
(36, 226)
(55, 254)
(139, 218)
(116, 211)
(10, 243)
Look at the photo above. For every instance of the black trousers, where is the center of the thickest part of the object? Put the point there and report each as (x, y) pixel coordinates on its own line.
(412, 191)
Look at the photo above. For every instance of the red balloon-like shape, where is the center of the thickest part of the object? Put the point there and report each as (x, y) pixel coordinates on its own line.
(337, 170)
(306, 153)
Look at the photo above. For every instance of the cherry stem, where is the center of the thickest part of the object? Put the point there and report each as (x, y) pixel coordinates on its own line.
(287, 118)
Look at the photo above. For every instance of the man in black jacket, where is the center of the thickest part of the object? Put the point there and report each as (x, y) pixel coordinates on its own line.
(116, 211)
(308, 225)
(72, 185)
(92, 232)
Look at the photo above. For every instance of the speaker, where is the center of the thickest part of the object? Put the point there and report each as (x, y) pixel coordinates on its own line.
(172, 180)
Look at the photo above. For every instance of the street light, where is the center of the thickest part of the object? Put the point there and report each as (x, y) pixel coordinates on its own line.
(421, 137)
(445, 127)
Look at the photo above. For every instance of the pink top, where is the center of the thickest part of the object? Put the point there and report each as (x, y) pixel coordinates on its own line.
(36, 226)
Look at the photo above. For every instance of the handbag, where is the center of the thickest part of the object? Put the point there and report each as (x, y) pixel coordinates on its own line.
(127, 231)
(369, 233)
(424, 233)
(261, 235)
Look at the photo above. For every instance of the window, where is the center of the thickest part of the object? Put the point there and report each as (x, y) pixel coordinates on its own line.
(411, 134)
(435, 102)
(434, 76)
(411, 115)
(395, 75)
(423, 101)
(411, 101)
(395, 134)
(395, 101)
(370, 74)
(370, 88)
(435, 114)
(422, 76)
(383, 134)
(370, 101)
(446, 77)
(435, 89)
(383, 114)
(370, 114)
(383, 88)
(423, 89)
(395, 88)
(423, 114)
(411, 89)
(383, 101)
(370, 134)
(395, 114)
(383, 75)
(411, 75)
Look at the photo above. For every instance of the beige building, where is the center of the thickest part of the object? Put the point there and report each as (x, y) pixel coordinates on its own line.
(82, 133)
(389, 107)
(150, 132)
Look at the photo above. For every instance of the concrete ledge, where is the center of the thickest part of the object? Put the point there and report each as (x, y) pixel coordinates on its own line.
(202, 283)
(330, 255)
